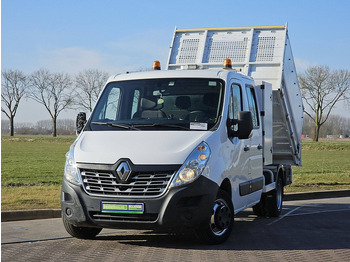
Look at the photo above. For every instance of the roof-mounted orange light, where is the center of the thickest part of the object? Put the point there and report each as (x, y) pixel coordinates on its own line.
(227, 64)
(156, 65)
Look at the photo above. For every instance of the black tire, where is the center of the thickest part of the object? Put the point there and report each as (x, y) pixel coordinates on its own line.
(80, 232)
(260, 208)
(274, 200)
(220, 224)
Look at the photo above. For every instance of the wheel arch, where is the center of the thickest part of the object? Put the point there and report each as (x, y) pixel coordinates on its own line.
(226, 186)
(280, 173)
(286, 173)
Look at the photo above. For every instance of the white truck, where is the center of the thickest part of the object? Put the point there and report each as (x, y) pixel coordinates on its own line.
(190, 146)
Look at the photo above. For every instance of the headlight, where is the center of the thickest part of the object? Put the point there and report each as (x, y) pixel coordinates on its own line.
(71, 172)
(193, 166)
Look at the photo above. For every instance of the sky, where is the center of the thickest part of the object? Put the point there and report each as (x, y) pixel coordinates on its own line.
(118, 36)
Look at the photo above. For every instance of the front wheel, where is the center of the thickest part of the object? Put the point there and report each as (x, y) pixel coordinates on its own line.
(220, 224)
(80, 232)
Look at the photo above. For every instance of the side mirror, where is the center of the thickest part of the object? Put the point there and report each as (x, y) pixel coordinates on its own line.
(80, 122)
(245, 125)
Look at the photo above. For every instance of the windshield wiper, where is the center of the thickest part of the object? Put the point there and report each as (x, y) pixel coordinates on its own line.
(130, 127)
(163, 125)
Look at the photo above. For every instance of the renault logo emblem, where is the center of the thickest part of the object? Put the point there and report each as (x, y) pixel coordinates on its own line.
(123, 171)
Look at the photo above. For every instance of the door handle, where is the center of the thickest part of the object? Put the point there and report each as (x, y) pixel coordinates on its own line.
(246, 148)
(259, 147)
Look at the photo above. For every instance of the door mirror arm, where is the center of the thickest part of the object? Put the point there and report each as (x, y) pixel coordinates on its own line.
(231, 123)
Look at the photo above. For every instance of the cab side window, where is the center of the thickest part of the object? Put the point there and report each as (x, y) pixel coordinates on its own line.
(253, 105)
(235, 101)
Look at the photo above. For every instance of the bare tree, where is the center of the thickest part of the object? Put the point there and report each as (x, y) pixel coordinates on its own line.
(53, 91)
(89, 84)
(322, 88)
(13, 84)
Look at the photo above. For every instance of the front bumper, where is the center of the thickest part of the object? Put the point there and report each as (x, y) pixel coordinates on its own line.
(180, 207)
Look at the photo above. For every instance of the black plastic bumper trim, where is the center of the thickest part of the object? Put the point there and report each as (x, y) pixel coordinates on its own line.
(180, 207)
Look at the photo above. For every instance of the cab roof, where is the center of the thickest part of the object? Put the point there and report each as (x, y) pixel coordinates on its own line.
(206, 73)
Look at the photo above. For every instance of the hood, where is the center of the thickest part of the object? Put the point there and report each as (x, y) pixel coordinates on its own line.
(142, 148)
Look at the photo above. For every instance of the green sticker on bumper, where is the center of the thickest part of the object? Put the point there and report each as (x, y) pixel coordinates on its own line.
(123, 208)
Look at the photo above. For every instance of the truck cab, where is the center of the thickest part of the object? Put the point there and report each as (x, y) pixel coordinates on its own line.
(175, 150)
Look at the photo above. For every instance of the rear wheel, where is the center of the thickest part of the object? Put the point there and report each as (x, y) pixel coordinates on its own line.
(220, 224)
(274, 200)
(80, 232)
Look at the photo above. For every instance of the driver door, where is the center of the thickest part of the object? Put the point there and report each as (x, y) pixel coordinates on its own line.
(240, 169)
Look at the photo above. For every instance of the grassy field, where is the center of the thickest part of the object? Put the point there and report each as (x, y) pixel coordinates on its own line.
(326, 166)
(31, 171)
(32, 168)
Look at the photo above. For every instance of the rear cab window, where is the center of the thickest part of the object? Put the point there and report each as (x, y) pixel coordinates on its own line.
(252, 105)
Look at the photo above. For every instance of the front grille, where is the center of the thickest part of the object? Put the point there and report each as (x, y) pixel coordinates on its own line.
(140, 184)
(99, 216)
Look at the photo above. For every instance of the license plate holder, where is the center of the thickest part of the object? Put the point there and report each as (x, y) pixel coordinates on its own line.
(122, 208)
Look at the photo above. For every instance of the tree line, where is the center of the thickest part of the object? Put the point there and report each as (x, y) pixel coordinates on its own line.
(42, 127)
(322, 88)
(336, 126)
(54, 91)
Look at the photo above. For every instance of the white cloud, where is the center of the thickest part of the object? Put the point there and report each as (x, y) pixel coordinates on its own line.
(142, 48)
(302, 65)
(130, 53)
(126, 53)
(118, 57)
(71, 59)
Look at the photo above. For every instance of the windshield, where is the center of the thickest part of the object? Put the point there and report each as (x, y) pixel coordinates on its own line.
(159, 104)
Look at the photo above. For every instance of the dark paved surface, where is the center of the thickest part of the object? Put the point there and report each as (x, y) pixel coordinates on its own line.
(310, 230)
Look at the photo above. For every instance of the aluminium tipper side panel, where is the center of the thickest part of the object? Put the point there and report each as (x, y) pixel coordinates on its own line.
(288, 113)
(292, 91)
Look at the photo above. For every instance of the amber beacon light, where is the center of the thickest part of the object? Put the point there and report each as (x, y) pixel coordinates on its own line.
(156, 65)
(227, 64)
